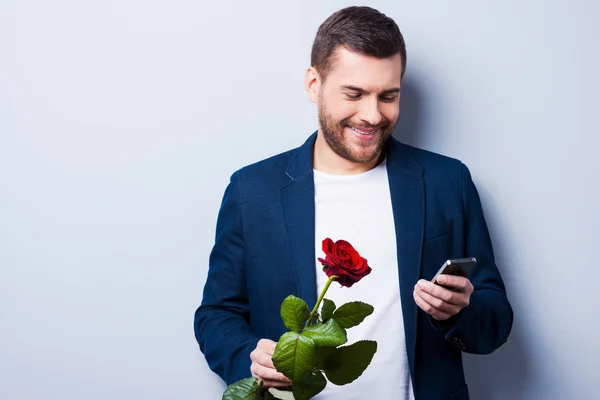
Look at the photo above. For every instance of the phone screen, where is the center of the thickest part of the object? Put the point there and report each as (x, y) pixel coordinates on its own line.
(455, 269)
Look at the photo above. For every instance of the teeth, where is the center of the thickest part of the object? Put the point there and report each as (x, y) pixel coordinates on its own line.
(361, 132)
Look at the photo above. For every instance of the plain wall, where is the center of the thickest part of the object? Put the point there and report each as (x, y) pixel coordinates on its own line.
(121, 122)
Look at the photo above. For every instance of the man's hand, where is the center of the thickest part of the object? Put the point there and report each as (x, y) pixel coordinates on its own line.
(443, 302)
(262, 366)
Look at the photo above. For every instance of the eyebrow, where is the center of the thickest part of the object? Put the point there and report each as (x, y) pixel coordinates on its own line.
(360, 90)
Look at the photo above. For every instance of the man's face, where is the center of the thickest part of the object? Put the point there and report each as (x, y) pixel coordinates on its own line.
(359, 104)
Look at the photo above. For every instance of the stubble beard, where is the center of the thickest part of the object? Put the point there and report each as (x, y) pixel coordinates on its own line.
(334, 135)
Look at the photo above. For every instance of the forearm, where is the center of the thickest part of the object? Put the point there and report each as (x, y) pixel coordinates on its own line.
(221, 322)
(485, 324)
(226, 340)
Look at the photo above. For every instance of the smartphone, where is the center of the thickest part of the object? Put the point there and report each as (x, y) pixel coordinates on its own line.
(459, 267)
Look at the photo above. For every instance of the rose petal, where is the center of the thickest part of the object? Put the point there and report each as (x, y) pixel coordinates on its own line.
(343, 261)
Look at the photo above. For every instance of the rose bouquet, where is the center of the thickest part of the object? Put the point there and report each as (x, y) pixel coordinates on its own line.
(312, 352)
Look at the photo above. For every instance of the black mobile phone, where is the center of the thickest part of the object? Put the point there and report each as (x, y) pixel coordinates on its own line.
(459, 267)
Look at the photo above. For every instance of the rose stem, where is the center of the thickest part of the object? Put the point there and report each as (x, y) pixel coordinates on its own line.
(316, 307)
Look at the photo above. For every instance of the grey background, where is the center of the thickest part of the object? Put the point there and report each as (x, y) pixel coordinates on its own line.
(121, 121)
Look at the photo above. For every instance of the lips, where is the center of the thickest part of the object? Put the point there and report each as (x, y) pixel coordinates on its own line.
(365, 135)
(364, 131)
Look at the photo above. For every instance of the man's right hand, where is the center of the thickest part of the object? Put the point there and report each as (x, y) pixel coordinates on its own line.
(262, 366)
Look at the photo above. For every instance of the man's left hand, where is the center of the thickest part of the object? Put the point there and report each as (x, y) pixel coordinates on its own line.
(442, 302)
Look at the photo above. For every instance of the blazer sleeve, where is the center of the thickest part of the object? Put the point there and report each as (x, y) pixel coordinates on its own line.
(221, 323)
(484, 325)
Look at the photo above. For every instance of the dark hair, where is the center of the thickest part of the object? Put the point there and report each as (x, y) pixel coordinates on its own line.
(363, 30)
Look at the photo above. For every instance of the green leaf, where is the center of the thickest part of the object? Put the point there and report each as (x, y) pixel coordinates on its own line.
(321, 354)
(352, 314)
(310, 386)
(294, 355)
(327, 309)
(245, 389)
(346, 364)
(294, 312)
(329, 334)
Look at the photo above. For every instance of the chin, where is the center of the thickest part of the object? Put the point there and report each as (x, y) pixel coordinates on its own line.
(361, 157)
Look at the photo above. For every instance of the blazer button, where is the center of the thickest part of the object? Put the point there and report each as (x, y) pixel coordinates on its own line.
(457, 343)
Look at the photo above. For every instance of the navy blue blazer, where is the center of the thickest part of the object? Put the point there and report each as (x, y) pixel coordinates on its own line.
(265, 250)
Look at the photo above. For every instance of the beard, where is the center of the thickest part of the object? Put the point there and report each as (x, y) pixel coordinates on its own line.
(354, 151)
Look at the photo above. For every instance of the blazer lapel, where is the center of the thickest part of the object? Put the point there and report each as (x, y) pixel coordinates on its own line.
(407, 193)
(298, 202)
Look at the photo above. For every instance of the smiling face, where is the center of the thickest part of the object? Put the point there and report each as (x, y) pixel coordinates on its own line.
(358, 107)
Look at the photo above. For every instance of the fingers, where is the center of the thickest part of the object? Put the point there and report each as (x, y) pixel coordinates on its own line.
(262, 365)
(437, 303)
(263, 352)
(266, 345)
(430, 309)
(262, 356)
(456, 283)
(268, 374)
(443, 302)
(459, 294)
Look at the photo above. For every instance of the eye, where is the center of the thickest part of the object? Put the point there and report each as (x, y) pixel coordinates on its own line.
(353, 96)
(388, 99)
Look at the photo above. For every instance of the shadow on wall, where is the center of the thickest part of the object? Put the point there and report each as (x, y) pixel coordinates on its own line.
(505, 373)
(501, 375)
(410, 123)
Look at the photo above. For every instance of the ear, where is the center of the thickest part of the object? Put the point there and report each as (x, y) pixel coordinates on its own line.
(312, 84)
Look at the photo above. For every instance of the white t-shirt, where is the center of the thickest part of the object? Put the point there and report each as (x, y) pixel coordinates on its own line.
(358, 208)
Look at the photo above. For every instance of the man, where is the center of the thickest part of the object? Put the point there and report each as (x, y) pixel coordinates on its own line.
(406, 210)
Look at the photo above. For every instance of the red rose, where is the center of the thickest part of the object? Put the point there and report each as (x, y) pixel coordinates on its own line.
(343, 261)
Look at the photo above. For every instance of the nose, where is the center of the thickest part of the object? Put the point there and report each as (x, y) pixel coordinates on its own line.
(369, 111)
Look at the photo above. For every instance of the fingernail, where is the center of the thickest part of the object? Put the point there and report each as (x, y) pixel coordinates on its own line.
(441, 279)
(421, 284)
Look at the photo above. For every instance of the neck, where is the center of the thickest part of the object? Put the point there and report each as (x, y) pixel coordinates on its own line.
(328, 161)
